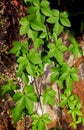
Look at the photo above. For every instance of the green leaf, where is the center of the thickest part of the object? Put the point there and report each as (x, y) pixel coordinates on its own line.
(31, 17)
(41, 125)
(59, 56)
(64, 14)
(43, 35)
(23, 101)
(69, 82)
(38, 26)
(72, 97)
(24, 26)
(62, 48)
(27, 100)
(46, 11)
(25, 78)
(19, 47)
(75, 47)
(82, 120)
(30, 68)
(51, 52)
(16, 115)
(48, 96)
(71, 48)
(24, 44)
(34, 57)
(17, 96)
(79, 120)
(45, 4)
(8, 87)
(29, 105)
(72, 104)
(74, 70)
(18, 110)
(73, 40)
(38, 42)
(65, 68)
(78, 106)
(5, 89)
(24, 50)
(65, 21)
(74, 116)
(40, 18)
(20, 70)
(63, 100)
(54, 37)
(55, 13)
(52, 19)
(58, 28)
(63, 103)
(59, 42)
(54, 76)
(39, 122)
(78, 112)
(56, 51)
(64, 76)
(35, 118)
(32, 34)
(67, 92)
(36, 3)
(23, 60)
(75, 77)
(29, 91)
(16, 47)
(32, 9)
(76, 52)
(45, 118)
(24, 63)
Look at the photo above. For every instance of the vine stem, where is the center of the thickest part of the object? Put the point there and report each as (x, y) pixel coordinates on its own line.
(58, 110)
(38, 91)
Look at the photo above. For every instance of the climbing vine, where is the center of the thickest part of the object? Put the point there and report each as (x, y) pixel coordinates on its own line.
(42, 27)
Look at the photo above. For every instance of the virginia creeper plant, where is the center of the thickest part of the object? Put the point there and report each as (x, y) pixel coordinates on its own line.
(43, 26)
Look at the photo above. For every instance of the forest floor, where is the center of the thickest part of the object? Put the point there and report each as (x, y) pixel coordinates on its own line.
(10, 13)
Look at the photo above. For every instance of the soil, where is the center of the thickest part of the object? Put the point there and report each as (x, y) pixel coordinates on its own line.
(10, 13)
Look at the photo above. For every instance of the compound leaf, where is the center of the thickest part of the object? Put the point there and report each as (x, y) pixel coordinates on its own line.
(18, 109)
(8, 87)
(48, 96)
(39, 122)
(29, 91)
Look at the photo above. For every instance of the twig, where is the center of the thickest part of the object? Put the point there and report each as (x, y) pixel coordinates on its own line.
(38, 93)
